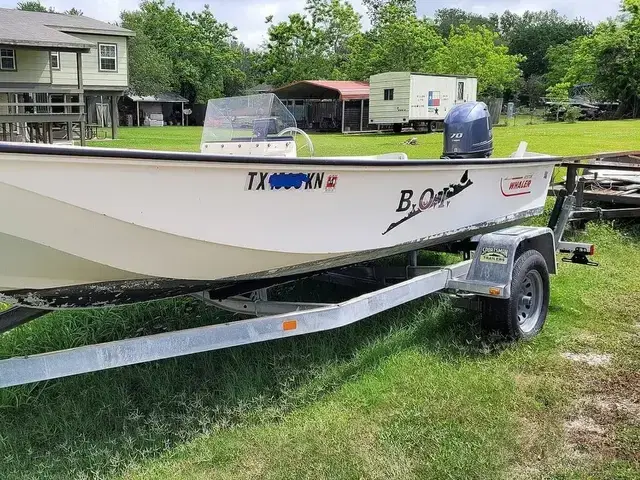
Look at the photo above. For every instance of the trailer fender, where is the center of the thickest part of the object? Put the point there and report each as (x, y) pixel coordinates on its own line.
(491, 270)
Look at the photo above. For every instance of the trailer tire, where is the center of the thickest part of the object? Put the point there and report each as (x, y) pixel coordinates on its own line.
(397, 128)
(431, 126)
(522, 316)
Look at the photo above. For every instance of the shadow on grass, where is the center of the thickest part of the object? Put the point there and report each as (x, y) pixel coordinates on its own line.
(99, 424)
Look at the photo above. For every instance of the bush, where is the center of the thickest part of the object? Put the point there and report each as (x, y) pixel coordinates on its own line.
(572, 114)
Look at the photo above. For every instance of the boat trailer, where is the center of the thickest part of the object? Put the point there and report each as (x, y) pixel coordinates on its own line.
(507, 270)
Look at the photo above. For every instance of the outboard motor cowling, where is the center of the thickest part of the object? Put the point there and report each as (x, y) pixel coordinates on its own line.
(468, 131)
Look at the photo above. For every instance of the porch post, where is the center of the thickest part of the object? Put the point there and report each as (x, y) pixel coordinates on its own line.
(343, 104)
(361, 115)
(83, 118)
(138, 113)
(114, 117)
(182, 112)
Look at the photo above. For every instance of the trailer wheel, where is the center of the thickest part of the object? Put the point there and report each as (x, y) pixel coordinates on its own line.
(522, 316)
(431, 126)
(397, 128)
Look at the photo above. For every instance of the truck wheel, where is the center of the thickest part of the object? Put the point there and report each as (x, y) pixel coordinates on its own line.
(431, 127)
(397, 128)
(522, 316)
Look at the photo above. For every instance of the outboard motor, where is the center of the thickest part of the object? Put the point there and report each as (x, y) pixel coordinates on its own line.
(468, 131)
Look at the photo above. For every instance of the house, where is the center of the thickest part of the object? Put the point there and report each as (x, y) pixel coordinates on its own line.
(57, 73)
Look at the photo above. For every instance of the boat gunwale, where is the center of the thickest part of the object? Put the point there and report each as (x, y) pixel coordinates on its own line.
(196, 157)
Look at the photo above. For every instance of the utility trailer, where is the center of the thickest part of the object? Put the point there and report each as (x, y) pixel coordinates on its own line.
(507, 271)
(418, 100)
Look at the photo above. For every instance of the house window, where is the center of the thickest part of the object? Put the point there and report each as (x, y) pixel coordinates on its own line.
(460, 91)
(7, 59)
(108, 57)
(388, 93)
(55, 60)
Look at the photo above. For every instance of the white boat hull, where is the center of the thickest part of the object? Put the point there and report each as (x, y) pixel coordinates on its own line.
(75, 216)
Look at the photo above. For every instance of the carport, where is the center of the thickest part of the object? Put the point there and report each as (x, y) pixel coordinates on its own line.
(328, 105)
(156, 110)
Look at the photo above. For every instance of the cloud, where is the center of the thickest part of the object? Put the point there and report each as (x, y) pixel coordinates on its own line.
(248, 15)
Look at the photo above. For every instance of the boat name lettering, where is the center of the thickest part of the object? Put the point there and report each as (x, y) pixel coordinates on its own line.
(259, 181)
(429, 199)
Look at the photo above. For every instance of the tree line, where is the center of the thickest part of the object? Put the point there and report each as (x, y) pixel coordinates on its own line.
(518, 57)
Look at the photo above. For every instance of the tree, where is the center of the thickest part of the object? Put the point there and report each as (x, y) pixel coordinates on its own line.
(608, 60)
(33, 6)
(190, 53)
(532, 90)
(150, 70)
(398, 41)
(315, 45)
(337, 22)
(559, 58)
(294, 51)
(448, 19)
(533, 33)
(478, 52)
(375, 8)
(74, 11)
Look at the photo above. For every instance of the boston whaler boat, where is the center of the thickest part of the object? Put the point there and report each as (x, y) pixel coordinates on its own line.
(95, 227)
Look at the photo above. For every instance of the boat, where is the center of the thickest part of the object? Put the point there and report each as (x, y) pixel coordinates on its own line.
(91, 226)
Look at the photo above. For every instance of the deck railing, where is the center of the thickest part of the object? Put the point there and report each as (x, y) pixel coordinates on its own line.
(41, 116)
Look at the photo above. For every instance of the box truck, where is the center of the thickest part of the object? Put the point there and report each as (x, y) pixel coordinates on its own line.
(417, 99)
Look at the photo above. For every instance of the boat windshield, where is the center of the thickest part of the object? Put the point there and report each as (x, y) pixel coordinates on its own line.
(245, 118)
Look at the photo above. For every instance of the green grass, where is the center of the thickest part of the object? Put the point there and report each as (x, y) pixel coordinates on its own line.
(551, 138)
(417, 392)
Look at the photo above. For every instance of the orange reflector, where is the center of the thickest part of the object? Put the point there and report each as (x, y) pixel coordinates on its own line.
(495, 291)
(289, 325)
(592, 250)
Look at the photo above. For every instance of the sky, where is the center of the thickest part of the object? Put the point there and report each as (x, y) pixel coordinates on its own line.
(248, 15)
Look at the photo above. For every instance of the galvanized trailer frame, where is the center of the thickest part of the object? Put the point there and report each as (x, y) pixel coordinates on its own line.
(483, 276)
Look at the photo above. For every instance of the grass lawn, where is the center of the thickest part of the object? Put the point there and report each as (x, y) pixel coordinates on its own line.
(552, 138)
(416, 392)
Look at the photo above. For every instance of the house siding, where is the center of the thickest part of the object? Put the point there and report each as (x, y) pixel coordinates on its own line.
(33, 67)
(91, 74)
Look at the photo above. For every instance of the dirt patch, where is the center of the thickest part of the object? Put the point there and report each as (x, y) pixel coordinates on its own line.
(606, 407)
(591, 359)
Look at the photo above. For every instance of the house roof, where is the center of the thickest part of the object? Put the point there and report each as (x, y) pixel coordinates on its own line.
(51, 30)
(325, 89)
(160, 98)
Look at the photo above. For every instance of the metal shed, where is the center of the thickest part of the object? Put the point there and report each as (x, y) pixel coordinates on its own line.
(328, 105)
(157, 108)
